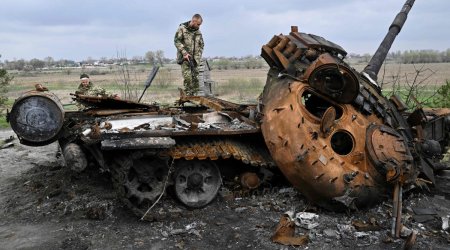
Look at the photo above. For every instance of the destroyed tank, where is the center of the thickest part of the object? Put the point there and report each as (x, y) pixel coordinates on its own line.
(146, 148)
(331, 131)
(328, 128)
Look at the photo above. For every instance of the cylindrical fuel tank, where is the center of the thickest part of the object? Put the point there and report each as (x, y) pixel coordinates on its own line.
(37, 118)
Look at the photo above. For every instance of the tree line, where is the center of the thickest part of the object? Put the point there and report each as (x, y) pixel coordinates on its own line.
(221, 63)
(152, 57)
(410, 56)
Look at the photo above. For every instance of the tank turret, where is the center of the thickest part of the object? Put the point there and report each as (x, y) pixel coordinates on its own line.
(330, 130)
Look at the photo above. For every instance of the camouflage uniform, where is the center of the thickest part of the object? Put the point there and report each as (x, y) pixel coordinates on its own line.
(90, 90)
(189, 41)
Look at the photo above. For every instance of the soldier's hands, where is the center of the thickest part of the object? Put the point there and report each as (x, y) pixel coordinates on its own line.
(187, 57)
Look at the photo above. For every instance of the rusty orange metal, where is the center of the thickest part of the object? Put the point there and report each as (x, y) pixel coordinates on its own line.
(321, 167)
(331, 131)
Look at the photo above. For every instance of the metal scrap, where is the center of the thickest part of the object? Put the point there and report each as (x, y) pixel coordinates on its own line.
(306, 220)
(445, 223)
(423, 214)
(285, 233)
(372, 225)
(138, 143)
(7, 143)
(410, 241)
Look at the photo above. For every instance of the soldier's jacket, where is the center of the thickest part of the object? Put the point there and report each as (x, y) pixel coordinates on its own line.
(188, 40)
(91, 90)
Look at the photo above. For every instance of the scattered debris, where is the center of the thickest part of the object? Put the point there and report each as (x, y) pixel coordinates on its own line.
(250, 180)
(7, 143)
(372, 225)
(331, 233)
(445, 223)
(345, 229)
(405, 232)
(285, 233)
(306, 220)
(423, 214)
(361, 234)
(410, 241)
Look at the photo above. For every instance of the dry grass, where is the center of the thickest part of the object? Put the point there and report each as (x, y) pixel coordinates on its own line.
(439, 72)
(238, 85)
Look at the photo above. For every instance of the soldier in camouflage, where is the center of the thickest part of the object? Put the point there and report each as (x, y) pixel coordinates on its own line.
(189, 43)
(86, 87)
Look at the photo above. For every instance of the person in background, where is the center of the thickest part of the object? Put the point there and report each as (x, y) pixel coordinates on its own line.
(189, 43)
(86, 87)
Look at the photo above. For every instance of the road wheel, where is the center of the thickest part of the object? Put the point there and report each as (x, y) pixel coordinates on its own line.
(139, 179)
(196, 182)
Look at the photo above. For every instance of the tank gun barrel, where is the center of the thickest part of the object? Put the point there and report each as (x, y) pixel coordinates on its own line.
(378, 58)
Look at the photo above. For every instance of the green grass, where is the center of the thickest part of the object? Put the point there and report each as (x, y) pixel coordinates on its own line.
(426, 97)
(3, 123)
(8, 105)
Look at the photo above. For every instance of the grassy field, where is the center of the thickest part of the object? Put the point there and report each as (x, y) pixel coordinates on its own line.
(237, 85)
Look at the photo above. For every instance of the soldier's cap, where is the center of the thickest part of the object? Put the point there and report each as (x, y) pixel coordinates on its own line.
(84, 76)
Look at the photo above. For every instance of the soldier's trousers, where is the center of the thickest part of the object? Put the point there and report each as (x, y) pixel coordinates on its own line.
(191, 85)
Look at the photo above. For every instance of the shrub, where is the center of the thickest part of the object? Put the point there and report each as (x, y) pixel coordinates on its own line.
(5, 80)
(442, 98)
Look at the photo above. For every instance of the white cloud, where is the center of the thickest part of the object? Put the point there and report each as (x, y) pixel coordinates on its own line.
(78, 29)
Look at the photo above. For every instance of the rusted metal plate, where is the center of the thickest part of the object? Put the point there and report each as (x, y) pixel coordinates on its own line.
(211, 102)
(435, 129)
(329, 170)
(112, 103)
(327, 121)
(437, 111)
(107, 112)
(387, 149)
(314, 41)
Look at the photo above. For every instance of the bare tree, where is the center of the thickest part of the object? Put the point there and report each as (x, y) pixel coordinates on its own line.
(49, 61)
(159, 54)
(414, 86)
(127, 78)
(36, 63)
(151, 57)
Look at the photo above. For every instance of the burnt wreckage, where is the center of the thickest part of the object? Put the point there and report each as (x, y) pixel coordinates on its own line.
(328, 128)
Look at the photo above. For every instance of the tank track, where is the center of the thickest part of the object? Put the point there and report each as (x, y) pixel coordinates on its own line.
(186, 149)
(221, 148)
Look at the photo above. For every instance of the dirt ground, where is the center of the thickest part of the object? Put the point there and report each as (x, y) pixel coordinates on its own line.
(44, 205)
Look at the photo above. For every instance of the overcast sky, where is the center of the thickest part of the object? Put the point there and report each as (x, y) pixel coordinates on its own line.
(99, 28)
